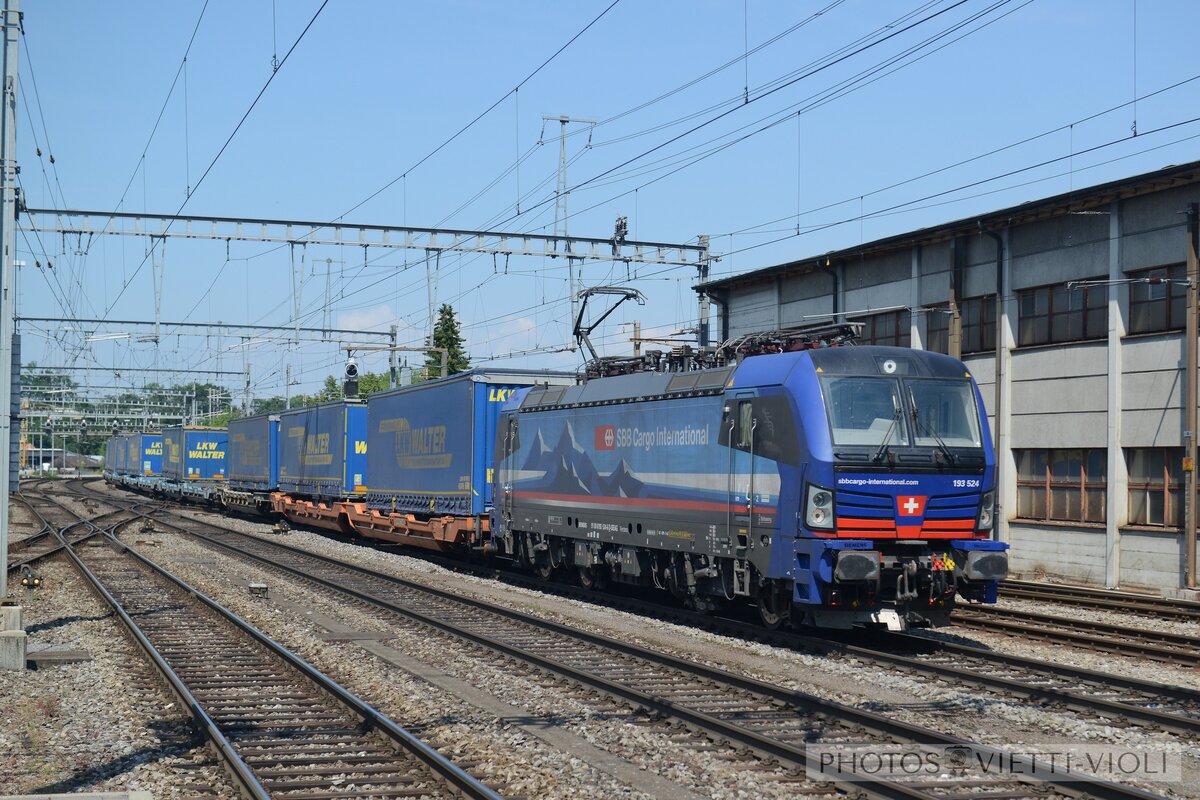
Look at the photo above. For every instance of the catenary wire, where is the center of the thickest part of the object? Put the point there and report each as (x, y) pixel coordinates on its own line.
(221, 151)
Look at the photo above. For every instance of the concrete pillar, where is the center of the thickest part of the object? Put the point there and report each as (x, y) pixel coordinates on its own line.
(12, 638)
(1117, 509)
(778, 302)
(1006, 465)
(918, 321)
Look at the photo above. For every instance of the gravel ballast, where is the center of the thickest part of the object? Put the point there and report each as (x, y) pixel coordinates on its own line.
(954, 709)
(108, 724)
(505, 754)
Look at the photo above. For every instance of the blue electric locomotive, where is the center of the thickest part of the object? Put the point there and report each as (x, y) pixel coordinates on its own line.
(835, 487)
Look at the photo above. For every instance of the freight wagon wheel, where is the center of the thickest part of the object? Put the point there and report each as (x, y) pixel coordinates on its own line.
(773, 610)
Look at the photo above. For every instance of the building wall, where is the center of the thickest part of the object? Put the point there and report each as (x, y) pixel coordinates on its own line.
(1114, 392)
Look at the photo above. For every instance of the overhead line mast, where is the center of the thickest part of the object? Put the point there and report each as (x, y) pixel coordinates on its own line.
(560, 196)
(11, 24)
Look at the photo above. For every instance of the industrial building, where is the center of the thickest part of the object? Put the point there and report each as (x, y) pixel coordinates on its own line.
(1090, 378)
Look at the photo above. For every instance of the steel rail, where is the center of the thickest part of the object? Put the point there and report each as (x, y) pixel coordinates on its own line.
(1074, 700)
(18, 558)
(237, 768)
(833, 645)
(447, 769)
(1080, 785)
(1099, 636)
(1123, 602)
(450, 772)
(24, 501)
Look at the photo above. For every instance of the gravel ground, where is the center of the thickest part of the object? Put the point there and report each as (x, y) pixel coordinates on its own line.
(103, 725)
(1141, 622)
(526, 765)
(961, 711)
(21, 522)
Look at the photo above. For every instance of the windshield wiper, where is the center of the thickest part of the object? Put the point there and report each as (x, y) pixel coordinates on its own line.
(887, 437)
(950, 457)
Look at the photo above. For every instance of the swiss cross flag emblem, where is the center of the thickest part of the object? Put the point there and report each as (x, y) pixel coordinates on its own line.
(908, 505)
(605, 437)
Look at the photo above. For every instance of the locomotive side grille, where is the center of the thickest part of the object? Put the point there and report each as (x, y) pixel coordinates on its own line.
(863, 505)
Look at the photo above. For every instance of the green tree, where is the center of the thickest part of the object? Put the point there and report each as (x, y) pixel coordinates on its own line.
(447, 333)
(332, 390)
(269, 405)
(371, 382)
(33, 376)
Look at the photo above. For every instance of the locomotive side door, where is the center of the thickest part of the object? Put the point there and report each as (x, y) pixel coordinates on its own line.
(740, 423)
(509, 445)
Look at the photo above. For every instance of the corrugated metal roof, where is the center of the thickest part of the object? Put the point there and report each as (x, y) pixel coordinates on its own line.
(1077, 200)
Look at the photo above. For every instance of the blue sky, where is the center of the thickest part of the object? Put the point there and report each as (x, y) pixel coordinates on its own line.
(374, 86)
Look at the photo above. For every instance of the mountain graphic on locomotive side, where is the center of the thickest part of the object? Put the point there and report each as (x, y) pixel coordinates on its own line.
(826, 485)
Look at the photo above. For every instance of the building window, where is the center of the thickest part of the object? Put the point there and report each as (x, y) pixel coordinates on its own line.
(889, 327)
(978, 325)
(1158, 306)
(1155, 486)
(1050, 314)
(1063, 485)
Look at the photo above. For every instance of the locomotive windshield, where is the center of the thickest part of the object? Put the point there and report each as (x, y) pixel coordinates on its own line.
(944, 410)
(925, 412)
(865, 410)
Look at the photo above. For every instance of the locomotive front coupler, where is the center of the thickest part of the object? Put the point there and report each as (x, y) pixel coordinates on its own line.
(906, 588)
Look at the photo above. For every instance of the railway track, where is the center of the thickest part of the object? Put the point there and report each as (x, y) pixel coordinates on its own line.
(1116, 699)
(1085, 597)
(57, 524)
(1170, 648)
(282, 728)
(770, 720)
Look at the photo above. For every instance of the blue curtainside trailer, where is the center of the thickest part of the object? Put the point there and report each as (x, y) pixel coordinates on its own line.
(143, 454)
(110, 457)
(194, 460)
(323, 450)
(253, 458)
(125, 465)
(430, 445)
(119, 453)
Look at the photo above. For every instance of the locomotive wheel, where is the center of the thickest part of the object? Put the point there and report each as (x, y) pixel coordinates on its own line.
(773, 611)
(544, 570)
(591, 578)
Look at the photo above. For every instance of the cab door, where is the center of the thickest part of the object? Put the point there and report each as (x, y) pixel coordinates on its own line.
(508, 446)
(741, 425)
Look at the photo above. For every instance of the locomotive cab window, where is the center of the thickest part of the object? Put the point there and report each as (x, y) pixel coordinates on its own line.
(745, 424)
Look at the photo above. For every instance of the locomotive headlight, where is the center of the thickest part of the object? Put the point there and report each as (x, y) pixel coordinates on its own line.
(819, 508)
(987, 511)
